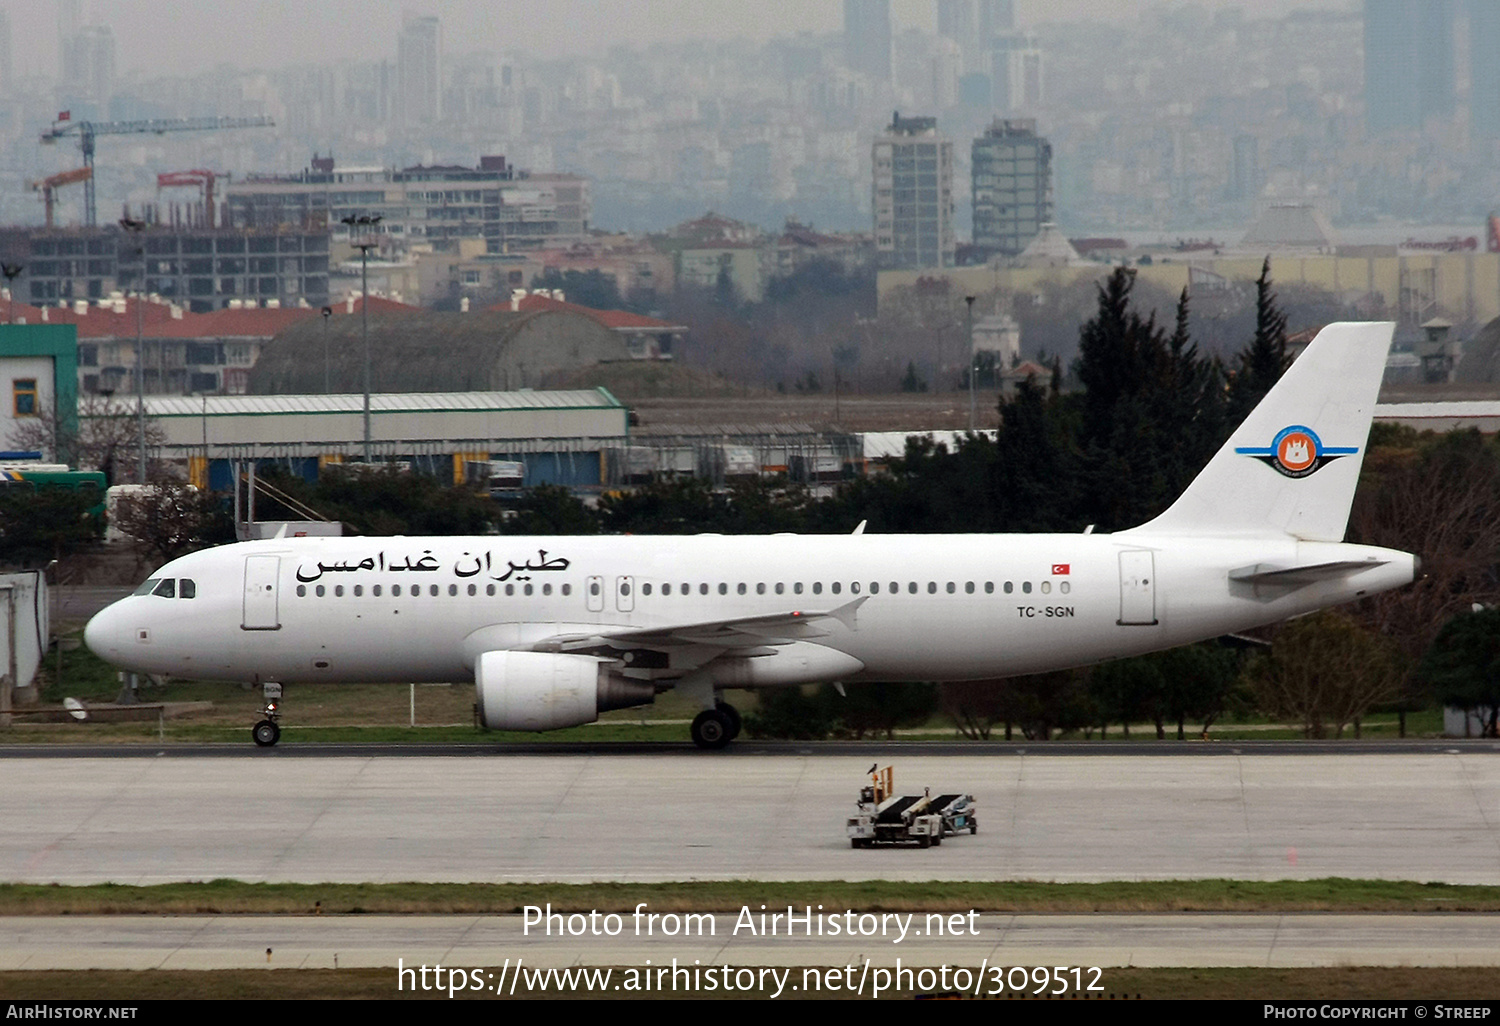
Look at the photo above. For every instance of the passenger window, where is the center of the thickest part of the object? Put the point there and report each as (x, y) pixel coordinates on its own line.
(453, 589)
(666, 589)
(473, 590)
(836, 587)
(320, 591)
(338, 591)
(375, 591)
(433, 591)
(510, 589)
(547, 589)
(1065, 587)
(797, 588)
(1026, 587)
(1009, 587)
(853, 588)
(593, 588)
(645, 589)
(167, 588)
(968, 587)
(951, 588)
(780, 588)
(187, 588)
(741, 588)
(911, 588)
(396, 590)
(528, 589)
(989, 587)
(489, 589)
(895, 587)
(359, 590)
(1046, 587)
(932, 587)
(567, 589)
(760, 589)
(301, 591)
(817, 587)
(703, 589)
(874, 587)
(723, 589)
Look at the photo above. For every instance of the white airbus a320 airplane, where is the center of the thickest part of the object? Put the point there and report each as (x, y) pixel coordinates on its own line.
(553, 631)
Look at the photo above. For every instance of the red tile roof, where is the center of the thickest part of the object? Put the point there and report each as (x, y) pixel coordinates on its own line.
(157, 320)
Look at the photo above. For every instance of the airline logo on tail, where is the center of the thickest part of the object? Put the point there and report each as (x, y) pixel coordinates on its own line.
(1296, 451)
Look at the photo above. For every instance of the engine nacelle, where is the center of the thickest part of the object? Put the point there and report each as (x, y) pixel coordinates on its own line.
(546, 691)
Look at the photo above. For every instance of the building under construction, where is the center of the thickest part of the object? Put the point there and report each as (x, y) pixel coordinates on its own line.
(196, 267)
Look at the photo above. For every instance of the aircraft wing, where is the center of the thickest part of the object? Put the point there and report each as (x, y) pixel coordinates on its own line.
(741, 632)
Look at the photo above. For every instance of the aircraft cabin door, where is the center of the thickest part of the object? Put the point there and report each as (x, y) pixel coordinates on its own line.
(594, 594)
(1137, 588)
(625, 594)
(260, 612)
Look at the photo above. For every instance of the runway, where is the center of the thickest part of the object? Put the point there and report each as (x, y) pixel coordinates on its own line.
(1432, 815)
(306, 942)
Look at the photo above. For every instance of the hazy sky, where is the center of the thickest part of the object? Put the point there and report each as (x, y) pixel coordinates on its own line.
(185, 36)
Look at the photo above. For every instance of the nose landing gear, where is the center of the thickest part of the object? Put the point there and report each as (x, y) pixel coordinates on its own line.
(267, 732)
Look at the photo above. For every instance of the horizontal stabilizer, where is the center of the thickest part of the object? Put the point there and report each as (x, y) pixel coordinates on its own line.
(1298, 576)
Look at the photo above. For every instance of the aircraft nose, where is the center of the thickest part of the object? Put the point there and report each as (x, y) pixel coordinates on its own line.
(102, 633)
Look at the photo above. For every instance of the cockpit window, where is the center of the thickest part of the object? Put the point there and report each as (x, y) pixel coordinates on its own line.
(186, 588)
(148, 586)
(167, 588)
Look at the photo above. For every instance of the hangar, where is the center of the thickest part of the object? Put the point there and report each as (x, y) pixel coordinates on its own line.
(559, 437)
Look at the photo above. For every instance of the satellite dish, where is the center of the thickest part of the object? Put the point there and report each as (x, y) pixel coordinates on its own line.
(75, 709)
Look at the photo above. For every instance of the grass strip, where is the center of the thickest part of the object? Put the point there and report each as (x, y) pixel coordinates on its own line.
(236, 897)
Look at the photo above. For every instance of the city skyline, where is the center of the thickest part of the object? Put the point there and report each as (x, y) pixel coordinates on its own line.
(195, 37)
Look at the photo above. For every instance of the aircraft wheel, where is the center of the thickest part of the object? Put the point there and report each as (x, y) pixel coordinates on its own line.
(854, 842)
(266, 733)
(924, 841)
(734, 718)
(711, 729)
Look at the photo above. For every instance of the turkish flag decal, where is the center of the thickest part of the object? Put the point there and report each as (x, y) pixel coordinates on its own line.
(1060, 569)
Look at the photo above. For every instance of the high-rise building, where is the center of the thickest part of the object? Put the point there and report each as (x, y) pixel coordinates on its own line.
(88, 68)
(1244, 174)
(1012, 186)
(994, 17)
(1015, 73)
(913, 195)
(5, 65)
(1409, 62)
(419, 56)
(1484, 70)
(867, 38)
(956, 20)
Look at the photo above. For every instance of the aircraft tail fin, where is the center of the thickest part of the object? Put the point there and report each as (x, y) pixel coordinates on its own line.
(1292, 466)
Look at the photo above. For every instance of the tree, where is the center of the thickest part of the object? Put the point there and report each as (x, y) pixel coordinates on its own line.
(104, 436)
(1262, 364)
(42, 524)
(881, 707)
(1325, 670)
(169, 520)
(1438, 497)
(1463, 666)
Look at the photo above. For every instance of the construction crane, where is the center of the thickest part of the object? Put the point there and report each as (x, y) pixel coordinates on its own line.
(197, 177)
(87, 130)
(48, 186)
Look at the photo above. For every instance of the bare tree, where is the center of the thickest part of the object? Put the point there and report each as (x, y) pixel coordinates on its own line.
(167, 520)
(105, 436)
(1326, 671)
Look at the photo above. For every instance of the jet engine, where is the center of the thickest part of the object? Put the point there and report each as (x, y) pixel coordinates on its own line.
(546, 691)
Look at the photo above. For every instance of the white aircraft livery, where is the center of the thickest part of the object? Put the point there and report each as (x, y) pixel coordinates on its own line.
(553, 631)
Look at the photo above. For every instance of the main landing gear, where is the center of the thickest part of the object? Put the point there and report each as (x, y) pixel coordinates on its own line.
(714, 728)
(267, 732)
